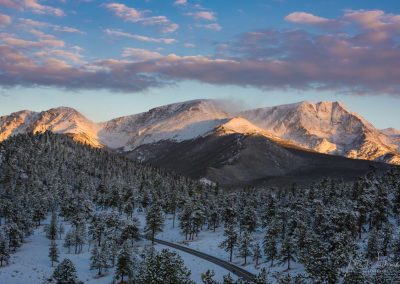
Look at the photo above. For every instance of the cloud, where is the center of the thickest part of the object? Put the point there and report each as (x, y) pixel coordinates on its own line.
(305, 18)
(29, 24)
(133, 15)
(124, 12)
(203, 15)
(74, 57)
(5, 20)
(139, 54)
(11, 4)
(33, 6)
(66, 29)
(180, 2)
(361, 57)
(189, 45)
(45, 41)
(213, 26)
(373, 19)
(139, 37)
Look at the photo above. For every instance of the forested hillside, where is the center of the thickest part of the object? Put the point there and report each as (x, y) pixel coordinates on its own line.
(327, 233)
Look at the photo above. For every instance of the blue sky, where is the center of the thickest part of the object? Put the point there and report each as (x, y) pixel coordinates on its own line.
(112, 58)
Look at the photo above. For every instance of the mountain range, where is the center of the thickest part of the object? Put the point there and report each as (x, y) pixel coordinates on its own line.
(201, 139)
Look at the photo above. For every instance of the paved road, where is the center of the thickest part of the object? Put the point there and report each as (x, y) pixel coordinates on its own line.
(242, 273)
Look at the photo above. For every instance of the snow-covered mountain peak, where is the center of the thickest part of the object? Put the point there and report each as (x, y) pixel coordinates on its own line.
(178, 122)
(326, 127)
(238, 125)
(391, 131)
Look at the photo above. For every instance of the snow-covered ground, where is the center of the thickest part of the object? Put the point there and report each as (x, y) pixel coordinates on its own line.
(208, 242)
(31, 264)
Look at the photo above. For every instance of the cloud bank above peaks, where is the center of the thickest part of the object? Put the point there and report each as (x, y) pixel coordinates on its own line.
(355, 53)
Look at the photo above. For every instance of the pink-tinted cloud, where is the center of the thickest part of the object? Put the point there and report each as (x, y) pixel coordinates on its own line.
(5, 20)
(124, 12)
(44, 42)
(202, 15)
(119, 33)
(70, 56)
(213, 26)
(180, 2)
(29, 24)
(364, 60)
(11, 4)
(66, 29)
(33, 6)
(32, 23)
(139, 54)
(129, 14)
(305, 18)
(373, 20)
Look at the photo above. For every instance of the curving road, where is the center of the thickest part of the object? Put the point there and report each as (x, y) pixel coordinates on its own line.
(240, 272)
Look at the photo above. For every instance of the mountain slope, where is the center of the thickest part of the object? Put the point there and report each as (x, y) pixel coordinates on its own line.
(236, 160)
(394, 135)
(326, 127)
(57, 120)
(177, 122)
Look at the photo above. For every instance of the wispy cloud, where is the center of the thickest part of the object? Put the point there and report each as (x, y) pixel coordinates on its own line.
(29, 24)
(360, 56)
(138, 54)
(5, 20)
(120, 33)
(44, 41)
(202, 15)
(33, 6)
(129, 14)
(189, 45)
(305, 18)
(180, 2)
(213, 26)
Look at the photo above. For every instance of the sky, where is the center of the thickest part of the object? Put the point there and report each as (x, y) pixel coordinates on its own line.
(114, 58)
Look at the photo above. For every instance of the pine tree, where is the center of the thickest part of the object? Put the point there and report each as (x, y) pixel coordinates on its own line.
(69, 240)
(228, 279)
(261, 278)
(230, 242)
(60, 230)
(53, 253)
(287, 251)
(256, 254)
(4, 250)
(248, 219)
(51, 229)
(354, 276)
(98, 259)
(208, 277)
(65, 273)
(124, 264)
(396, 249)
(380, 207)
(270, 246)
(244, 245)
(163, 267)
(372, 246)
(130, 232)
(386, 238)
(154, 221)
